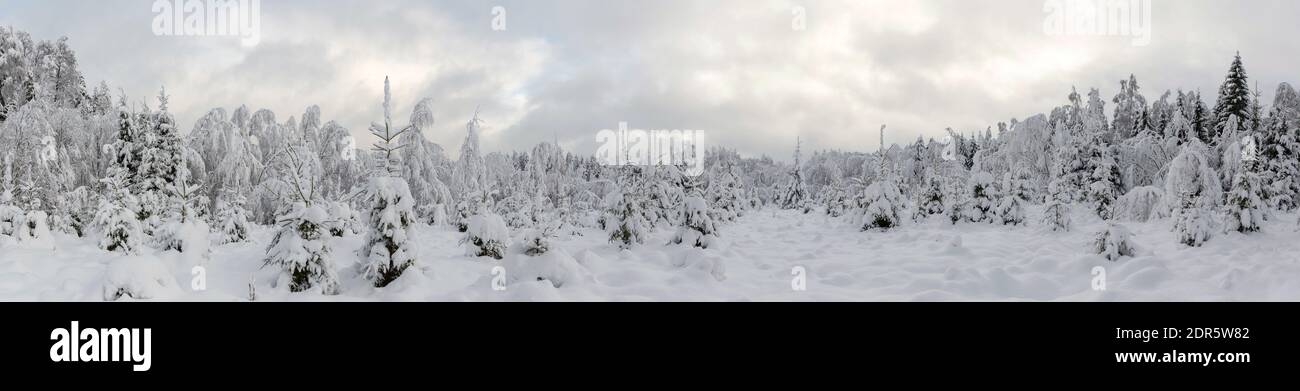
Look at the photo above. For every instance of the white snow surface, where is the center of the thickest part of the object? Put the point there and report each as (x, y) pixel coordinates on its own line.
(756, 261)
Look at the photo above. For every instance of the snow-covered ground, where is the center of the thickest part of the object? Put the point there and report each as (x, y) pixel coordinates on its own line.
(761, 256)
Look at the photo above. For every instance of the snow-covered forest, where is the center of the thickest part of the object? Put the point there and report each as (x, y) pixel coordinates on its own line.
(1166, 196)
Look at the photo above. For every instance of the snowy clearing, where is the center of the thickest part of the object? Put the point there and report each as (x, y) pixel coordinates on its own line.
(928, 261)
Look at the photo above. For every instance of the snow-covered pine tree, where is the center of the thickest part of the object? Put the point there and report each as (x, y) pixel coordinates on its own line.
(300, 249)
(1234, 99)
(184, 228)
(980, 196)
(161, 157)
(469, 175)
(1115, 242)
(1244, 211)
(1106, 183)
(537, 241)
(930, 199)
(1010, 210)
(1278, 147)
(726, 193)
(795, 194)
(1131, 113)
(1194, 191)
(1056, 215)
(117, 217)
(389, 248)
(1141, 204)
(343, 220)
(11, 216)
(420, 163)
(882, 203)
(232, 220)
(1019, 182)
(697, 227)
(486, 235)
(625, 222)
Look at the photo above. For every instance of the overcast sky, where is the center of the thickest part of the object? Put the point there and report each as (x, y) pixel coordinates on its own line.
(737, 69)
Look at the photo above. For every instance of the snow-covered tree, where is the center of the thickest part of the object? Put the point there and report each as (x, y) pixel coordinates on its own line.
(537, 241)
(232, 220)
(1141, 204)
(980, 198)
(486, 235)
(1115, 242)
(117, 217)
(389, 249)
(882, 203)
(1131, 112)
(161, 159)
(625, 222)
(930, 200)
(726, 192)
(795, 194)
(1056, 215)
(1193, 189)
(420, 163)
(1244, 211)
(1010, 210)
(300, 248)
(1234, 100)
(1106, 185)
(185, 229)
(697, 225)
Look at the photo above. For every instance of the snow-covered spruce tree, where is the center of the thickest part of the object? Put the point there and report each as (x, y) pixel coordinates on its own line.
(1019, 183)
(1141, 204)
(486, 235)
(184, 229)
(1115, 242)
(1106, 184)
(117, 217)
(725, 192)
(930, 198)
(389, 249)
(625, 221)
(232, 220)
(1010, 210)
(537, 241)
(1056, 215)
(697, 225)
(421, 161)
(1193, 189)
(343, 219)
(469, 176)
(1244, 211)
(299, 248)
(161, 156)
(1279, 146)
(882, 202)
(836, 200)
(11, 216)
(1234, 100)
(1131, 112)
(795, 193)
(980, 196)
(76, 211)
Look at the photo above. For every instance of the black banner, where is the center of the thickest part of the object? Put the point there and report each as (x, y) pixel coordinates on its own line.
(217, 340)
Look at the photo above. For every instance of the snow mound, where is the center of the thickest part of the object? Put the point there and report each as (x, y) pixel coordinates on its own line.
(139, 278)
(556, 267)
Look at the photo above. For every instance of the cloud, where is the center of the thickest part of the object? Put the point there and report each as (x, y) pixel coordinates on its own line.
(735, 69)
